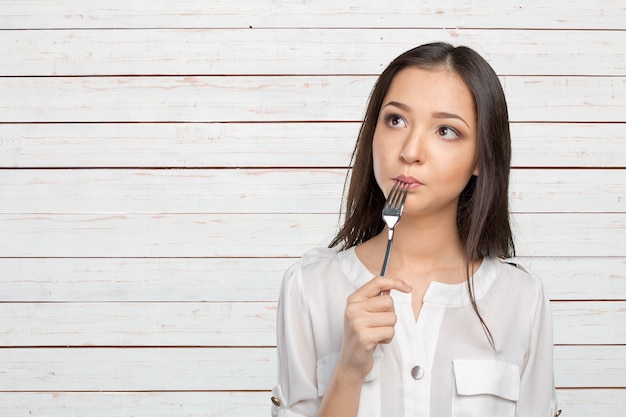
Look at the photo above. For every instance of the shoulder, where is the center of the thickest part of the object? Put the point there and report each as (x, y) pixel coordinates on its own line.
(310, 261)
(318, 274)
(514, 274)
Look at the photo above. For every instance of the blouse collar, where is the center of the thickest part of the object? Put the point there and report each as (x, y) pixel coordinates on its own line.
(437, 292)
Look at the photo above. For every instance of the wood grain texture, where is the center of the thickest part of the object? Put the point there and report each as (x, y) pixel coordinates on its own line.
(250, 279)
(149, 149)
(245, 235)
(578, 402)
(288, 51)
(240, 145)
(206, 324)
(227, 369)
(271, 191)
(273, 98)
(559, 14)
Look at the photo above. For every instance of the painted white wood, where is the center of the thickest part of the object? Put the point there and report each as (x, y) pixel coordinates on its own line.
(575, 402)
(137, 369)
(272, 235)
(142, 280)
(602, 14)
(267, 98)
(223, 324)
(294, 51)
(581, 278)
(554, 191)
(228, 369)
(190, 98)
(159, 259)
(270, 191)
(133, 404)
(592, 402)
(569, 234)
(271, 144)
(172, 191)
(571, 99)
(249, 279)
(183, 144)
(163, 235)
(568, 145)
(138, 324)
(589, 322)
(590, 366)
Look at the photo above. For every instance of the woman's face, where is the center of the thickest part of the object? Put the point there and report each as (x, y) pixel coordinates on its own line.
(426, 136)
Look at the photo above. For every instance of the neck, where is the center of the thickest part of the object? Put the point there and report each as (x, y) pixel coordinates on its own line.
(424, 247)
(427, 241)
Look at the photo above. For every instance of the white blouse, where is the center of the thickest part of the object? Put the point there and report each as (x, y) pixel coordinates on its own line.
(440, 365)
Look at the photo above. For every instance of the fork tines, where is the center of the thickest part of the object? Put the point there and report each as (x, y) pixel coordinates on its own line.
(391, 215)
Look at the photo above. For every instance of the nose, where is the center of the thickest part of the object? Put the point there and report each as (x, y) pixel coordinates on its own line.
(413, 148)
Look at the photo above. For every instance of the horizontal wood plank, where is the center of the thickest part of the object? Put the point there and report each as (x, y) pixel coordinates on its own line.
(569, 234)
(270, 191)
(153, 324)
(581, 278)
(266, 235)
(295, 51)
(572, 366)
(172, 191)
(143, 280)
(575, 402)
(232, 324)
(568, 145)
(268, 98)
(244, 279)
(221, 369)
(567, 191)
(183, 144)
(198, 145)
(604, 14)
(137, 369)
(135, 404)
(592, 402)
(589, 322)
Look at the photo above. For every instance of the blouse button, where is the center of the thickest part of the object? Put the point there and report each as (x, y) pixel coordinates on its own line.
(417, 372)
(276, 401)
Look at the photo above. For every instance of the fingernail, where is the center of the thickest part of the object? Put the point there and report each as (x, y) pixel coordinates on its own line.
(407, 288)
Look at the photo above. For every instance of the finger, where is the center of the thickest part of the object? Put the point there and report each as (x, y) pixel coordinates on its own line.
(378, 304)
(358, 310)
(377, 285)
(382, 335)
(386, 319)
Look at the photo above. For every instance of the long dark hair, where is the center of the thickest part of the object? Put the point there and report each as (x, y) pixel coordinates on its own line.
(483, 212)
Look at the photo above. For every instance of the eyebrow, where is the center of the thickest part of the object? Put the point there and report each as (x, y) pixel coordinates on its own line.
(401, 106)
(444, 115)
(436, 115)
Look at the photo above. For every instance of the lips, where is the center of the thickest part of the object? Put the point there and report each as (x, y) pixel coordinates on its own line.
(408, 180)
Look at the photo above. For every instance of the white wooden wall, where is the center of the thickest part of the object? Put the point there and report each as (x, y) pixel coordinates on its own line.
(162, 163)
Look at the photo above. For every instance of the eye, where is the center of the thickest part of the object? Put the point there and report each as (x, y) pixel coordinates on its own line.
(448, 133)
(394, 120)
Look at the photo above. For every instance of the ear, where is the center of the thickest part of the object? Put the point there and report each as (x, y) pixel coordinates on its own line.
(476, 171)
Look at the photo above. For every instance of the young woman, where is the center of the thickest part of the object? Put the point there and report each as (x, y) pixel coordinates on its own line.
(454, 328)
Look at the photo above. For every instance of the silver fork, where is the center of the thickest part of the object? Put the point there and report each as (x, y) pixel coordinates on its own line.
(391, 215)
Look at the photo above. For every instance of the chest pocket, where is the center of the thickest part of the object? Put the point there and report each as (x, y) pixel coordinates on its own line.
(485, 388)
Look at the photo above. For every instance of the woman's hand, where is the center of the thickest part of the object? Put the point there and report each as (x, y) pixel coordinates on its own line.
(369, 320)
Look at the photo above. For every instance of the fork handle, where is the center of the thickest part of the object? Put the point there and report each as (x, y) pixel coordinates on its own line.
(383, 271)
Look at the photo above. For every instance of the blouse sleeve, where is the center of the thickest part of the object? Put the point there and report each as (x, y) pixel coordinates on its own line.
(295, 395)
(537, 390)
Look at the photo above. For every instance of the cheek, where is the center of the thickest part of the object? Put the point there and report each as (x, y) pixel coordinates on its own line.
(458, 170)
